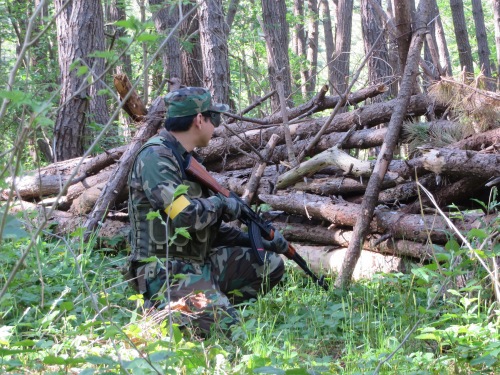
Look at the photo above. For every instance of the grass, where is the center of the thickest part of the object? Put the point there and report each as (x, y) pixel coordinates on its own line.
(68, 311)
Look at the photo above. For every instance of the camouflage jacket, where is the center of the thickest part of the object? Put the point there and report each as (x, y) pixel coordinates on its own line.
(154, 177)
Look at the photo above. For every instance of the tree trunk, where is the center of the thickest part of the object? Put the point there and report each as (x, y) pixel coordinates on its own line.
(402, 18)
(115, 11)
(385, 156)
(379, 69)
(165, 17)
(324, 10)
(192, 58)
(342, 46)
(299, 46)
(496, 22)
(461, 35)
(213, 39)
(483, 49)
(312, 45)
(414, 227)
(79, 30)
(119, 180)
(275, 29)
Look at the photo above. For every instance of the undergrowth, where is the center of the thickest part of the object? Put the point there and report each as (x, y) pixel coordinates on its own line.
(68, 311)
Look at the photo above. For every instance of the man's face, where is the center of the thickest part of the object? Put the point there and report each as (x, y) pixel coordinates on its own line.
(206, 131)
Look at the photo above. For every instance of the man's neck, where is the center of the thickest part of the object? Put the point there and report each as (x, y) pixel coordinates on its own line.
(185, 139)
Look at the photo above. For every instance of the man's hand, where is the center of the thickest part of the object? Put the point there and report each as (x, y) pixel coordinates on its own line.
(231, 208)
(278, 244)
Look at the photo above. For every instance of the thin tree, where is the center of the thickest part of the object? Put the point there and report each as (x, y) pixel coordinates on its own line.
(191, 55)
(115, 11)
(496, 16)
(402, 20)
(461, 35)
(312, 45)
(379, 69)
(342, 45)
(213, 39)
(299, 45)
(79, 30)
(442, 45)
(324, 10)
(370, 199)
(275, 29)
(483, 49)
(166, 16)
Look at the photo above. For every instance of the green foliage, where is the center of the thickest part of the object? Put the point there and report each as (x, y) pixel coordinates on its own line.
(81, 317)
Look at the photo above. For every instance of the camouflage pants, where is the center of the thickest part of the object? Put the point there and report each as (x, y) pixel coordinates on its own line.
(207, 292)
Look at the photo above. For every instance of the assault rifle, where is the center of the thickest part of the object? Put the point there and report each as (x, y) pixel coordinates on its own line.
(257, 227)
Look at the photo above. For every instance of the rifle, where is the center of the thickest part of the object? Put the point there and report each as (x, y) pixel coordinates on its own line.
(257, 227)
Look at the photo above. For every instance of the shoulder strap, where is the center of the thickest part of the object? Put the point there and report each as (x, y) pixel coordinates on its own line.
(178, 157)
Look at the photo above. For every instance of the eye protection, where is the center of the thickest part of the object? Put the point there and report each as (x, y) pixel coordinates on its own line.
(215, 118)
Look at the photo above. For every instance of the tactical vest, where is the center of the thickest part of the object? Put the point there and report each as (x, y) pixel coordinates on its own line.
(149, 237)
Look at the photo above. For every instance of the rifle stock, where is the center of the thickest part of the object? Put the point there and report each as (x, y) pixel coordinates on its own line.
(196, 170)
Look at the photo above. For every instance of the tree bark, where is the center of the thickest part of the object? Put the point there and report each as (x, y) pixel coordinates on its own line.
(275, 29)
(192, 57)
(402, 17)
(342, 46)
(385, 156)
(324, 10)
(414, 227)
(496, 22)
(461, 163)
(379, 69)
(312, 45)
(483, 49)
(165, 17)
(117, 183)
(461, 35)
(79, 30)
(213, 39)
(316, 234)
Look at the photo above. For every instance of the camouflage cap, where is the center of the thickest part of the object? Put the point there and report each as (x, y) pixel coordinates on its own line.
(188, 101)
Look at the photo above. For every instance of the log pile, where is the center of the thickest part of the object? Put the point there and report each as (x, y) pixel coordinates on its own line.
(317, 201)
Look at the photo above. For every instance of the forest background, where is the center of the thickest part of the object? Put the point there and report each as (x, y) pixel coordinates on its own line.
(63, 305)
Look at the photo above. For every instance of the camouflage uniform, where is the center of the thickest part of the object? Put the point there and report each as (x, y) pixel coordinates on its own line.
(204, 270)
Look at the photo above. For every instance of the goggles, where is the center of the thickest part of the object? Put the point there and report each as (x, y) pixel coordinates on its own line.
(215, 118)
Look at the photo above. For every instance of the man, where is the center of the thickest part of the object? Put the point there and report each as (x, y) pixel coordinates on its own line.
(215, 267)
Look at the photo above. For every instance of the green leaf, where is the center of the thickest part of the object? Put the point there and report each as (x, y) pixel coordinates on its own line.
(182, 232)
(428, 336)
(82, 70)
(103, 54)
(147, 37)
(13, 228)
(95, 360)
(452, 245)
(180, 190)
(53, 360)
(67, 306)
(131, 23)
(153, 215)
(481, 234)
(269, 370)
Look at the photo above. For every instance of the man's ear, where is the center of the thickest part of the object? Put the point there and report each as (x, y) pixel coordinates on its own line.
(197, 120)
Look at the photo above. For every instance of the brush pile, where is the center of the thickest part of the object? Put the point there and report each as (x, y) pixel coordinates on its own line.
(312, 190)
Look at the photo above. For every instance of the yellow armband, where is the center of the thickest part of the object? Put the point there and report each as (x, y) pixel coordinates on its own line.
(177, 206)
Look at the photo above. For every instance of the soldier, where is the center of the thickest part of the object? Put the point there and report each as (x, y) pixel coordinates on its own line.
(214, 268)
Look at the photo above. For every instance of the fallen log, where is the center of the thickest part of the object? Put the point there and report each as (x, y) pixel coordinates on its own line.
(119, 179)
(317, 234)
(367, 116)
(411, 227)
(460, 163)
(49, 180)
